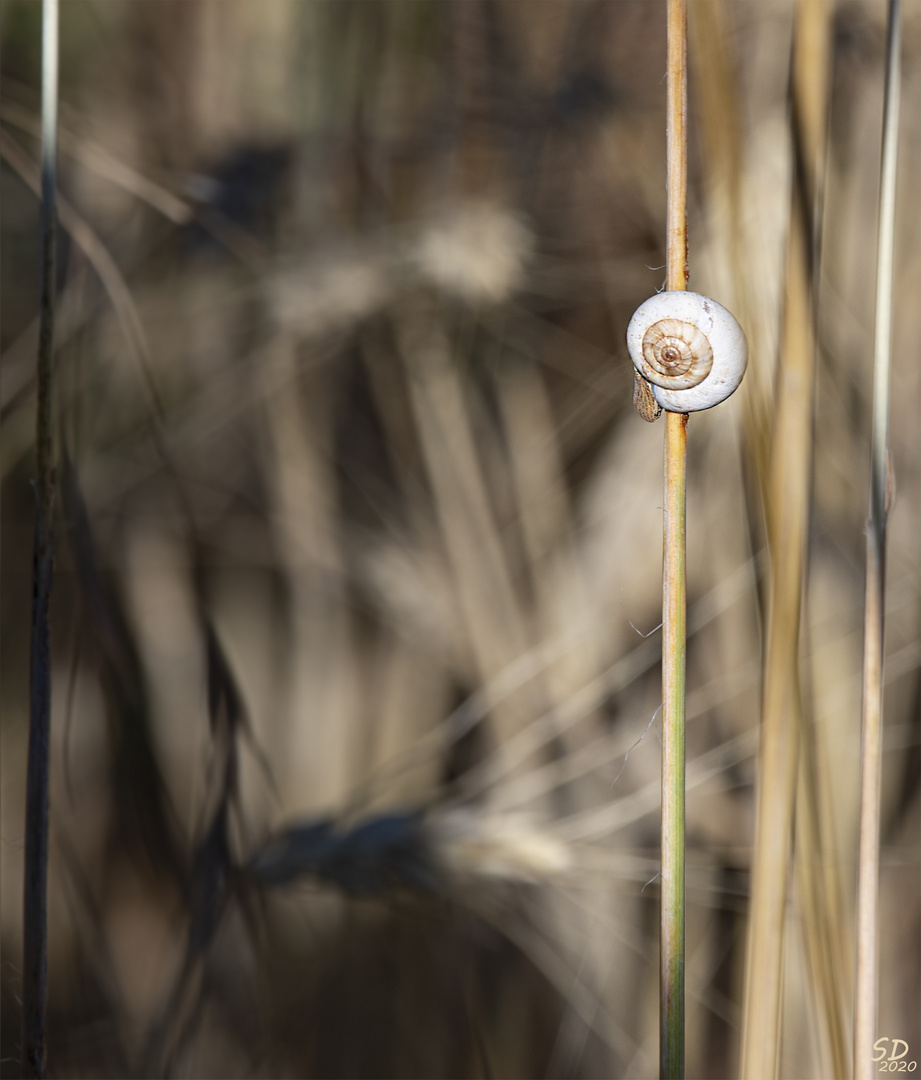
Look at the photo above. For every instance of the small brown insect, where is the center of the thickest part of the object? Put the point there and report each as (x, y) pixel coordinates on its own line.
(643, 400)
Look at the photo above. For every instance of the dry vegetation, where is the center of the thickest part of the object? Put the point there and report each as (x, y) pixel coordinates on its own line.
(357, 530)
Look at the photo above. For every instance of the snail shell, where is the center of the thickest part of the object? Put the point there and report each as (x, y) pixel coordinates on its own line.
(690, 348)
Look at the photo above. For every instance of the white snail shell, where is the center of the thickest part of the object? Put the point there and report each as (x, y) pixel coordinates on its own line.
(690, 348)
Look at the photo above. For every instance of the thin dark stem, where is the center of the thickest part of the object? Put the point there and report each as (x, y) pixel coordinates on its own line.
(35, 889)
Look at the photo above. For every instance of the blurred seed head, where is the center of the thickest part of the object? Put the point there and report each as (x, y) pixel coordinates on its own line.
(477, 253)
(508, 846)
(382, 854)
(334, 292)
(413, 852)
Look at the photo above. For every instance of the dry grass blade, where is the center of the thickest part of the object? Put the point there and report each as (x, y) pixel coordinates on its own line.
(819, 891)
(99, 258)
(786, 497)
(816, 871)
(99, 160)
(495, 632)
(865, 1010)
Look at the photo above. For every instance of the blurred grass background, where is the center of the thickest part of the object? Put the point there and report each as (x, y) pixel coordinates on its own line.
(355, 519)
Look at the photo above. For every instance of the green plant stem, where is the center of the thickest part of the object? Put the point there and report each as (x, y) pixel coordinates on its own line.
(35, 885)
(865, 1008)
(674, 590)
(674, 630)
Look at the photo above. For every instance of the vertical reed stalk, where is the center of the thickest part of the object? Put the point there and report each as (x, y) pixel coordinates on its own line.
(787, 502)
(674, 598)
(865, 1007)
(35, 887)
(787, 492)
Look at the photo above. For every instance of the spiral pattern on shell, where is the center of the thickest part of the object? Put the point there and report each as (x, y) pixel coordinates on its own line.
(676, 354)
(689, 348)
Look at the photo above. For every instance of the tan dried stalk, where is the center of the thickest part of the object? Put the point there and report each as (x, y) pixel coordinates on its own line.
(674, 586)
(875, 611)
(787, 498)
